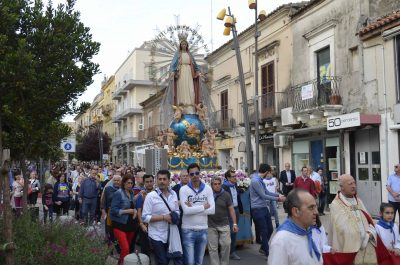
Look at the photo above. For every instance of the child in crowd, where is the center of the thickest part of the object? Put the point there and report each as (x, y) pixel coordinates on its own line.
(387, 230)
(319, 237)
(272, 186)
(47, 200)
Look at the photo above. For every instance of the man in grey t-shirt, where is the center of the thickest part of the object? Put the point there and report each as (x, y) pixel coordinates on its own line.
(218, 224)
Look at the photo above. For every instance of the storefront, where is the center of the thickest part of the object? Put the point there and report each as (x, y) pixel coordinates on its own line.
(270, 154)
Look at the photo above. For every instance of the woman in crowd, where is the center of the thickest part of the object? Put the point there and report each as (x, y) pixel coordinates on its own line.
(123, 216)
(61, 196)
(17, 191)
(34, 187)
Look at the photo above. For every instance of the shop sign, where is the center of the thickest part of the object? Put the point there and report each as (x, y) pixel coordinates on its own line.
(266, 137)
(307, 92)
(343, 121)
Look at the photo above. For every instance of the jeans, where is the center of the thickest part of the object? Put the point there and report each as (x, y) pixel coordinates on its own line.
(263, 222)
(160, 251)
(233, 235)
(194, 245)
(89, 206)
(49, 213)
(219, 236)
(274, 212)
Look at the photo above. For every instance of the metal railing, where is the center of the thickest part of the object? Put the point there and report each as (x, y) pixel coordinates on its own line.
(316, 93)
(222, 120)
(272, 103)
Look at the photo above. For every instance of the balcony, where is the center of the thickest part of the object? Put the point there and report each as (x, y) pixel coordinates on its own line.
(316, 96)
(127, 112)
(222, 120)
(118, 93)
(271, 104)
(130, 137)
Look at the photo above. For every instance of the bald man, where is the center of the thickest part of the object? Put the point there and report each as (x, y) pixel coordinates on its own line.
(287, 178)
(349, 229)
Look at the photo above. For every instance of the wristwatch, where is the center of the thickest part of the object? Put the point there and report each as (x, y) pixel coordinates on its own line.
(235, 224)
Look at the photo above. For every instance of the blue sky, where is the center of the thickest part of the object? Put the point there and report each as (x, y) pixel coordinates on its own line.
(122, 25)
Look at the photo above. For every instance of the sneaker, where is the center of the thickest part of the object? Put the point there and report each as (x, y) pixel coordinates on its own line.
(234, 256)
(261, 251)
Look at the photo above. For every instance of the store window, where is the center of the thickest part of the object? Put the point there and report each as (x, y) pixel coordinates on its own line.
(332, 157)
(301, 156)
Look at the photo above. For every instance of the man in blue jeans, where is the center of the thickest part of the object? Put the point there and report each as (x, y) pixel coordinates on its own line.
(88, 192)
(259, 196)
(197, 201)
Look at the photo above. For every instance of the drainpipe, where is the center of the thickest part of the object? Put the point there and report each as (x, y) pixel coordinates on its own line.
(386, 108)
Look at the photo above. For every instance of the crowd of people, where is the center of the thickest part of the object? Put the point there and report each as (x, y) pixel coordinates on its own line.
(178, 223)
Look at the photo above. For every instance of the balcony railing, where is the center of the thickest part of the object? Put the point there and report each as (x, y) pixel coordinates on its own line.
(272, 103)
(269, 107)
(222, 120)
(152, 132)
(316, 93)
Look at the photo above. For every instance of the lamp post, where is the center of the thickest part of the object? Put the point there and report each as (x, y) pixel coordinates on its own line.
(230, 25)
(261, 17)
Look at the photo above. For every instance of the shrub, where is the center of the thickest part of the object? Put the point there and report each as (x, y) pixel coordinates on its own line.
(57, 244)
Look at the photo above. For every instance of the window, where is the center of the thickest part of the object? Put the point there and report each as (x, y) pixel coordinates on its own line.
(397, 58)
(267, 90)
(324, 75)
(224, 109)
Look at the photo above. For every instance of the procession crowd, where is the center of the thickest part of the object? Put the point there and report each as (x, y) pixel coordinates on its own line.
(178, 223)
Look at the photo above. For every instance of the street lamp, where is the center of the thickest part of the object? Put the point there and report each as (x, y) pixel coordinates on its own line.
(230, 22)
(260, 17)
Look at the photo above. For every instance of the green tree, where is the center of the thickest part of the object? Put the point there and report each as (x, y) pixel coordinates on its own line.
(45, 65)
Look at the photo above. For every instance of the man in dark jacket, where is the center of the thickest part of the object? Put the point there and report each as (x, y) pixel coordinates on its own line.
(287, 178)
(231, 187)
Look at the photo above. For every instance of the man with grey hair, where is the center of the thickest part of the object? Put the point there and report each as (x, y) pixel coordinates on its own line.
(218, 224)
(350, 227)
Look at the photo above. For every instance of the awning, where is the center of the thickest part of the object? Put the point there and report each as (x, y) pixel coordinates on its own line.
(302, 130)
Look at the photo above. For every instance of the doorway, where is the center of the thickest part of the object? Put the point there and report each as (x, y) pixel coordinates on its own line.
(368, 168)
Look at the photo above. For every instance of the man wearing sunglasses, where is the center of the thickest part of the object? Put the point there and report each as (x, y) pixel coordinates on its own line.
(197, 201)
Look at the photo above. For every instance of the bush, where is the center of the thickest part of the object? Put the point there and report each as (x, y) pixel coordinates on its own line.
(57, 244)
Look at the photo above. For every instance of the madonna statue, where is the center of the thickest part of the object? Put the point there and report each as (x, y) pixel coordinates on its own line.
(186, 74)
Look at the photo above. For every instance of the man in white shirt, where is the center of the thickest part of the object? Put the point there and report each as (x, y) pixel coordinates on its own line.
(157, 215)
(197, 202)
(293, 244)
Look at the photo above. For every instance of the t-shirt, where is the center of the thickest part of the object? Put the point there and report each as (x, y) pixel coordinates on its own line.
(220, 218)
(270, 183)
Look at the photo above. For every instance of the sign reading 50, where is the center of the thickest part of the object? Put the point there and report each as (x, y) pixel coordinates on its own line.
(335, 122)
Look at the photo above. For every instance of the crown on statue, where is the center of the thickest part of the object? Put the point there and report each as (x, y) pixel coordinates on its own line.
(182, 36)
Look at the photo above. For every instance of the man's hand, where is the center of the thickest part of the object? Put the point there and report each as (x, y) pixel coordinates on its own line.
(143, 227)
(58, 203)
(80, 200)
(167, 218)
(206, 205)
(281, 198)
(235, 228)
(188, 204)
(46, 208)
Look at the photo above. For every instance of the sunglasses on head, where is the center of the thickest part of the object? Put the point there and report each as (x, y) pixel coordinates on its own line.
(194, 173)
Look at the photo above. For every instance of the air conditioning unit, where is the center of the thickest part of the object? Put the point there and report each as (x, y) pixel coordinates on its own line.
(287, 117)
(281, 140)
(141, 127)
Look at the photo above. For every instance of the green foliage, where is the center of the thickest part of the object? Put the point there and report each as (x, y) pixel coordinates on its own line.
(57, 244)
(45, 65)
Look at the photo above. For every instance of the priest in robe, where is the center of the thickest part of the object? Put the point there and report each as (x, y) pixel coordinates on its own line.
(350, 229)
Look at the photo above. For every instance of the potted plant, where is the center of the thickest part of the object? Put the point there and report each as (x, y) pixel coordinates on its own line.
(335, 99)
